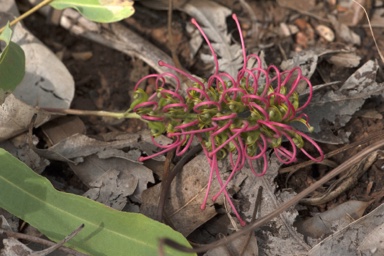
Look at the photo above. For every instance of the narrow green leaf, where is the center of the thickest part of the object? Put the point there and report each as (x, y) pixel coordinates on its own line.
(104, 11)
(32, 198)
(12, 63)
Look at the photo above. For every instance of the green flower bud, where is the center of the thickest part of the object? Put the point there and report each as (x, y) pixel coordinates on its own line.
(275, 142)
(221, 154)
(236, 106)
(303, 121)
(252, 137)
(170, 128)
(294, 99)
(231, 146)
(139, 96)
(252, 149)
(275, 114)
(298, 140)
(220, 139)
(157, 128)
(162, 102)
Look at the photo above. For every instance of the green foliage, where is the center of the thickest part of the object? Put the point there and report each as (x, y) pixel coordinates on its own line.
(12, 63)
(98, 10)
(32, 198)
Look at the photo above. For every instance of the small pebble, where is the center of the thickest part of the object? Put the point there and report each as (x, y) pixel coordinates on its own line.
(326, 33)
(82, 55)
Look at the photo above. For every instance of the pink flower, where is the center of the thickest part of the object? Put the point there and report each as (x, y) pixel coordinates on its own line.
(239, 117)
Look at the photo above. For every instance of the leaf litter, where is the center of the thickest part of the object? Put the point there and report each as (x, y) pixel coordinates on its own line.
(111, 173)
(335, 108)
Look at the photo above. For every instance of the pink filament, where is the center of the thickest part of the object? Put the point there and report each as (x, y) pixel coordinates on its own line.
(209, 45)
(162, 63)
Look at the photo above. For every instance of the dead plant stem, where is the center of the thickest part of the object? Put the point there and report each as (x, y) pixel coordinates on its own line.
(40, 241)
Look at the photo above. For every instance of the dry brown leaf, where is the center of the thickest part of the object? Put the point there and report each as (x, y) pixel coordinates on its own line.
(13, 247)
(332, 220)
(77, 146)
(306, 60)
(333, 109)
(235, 247)
(343, 32)
(112, 189)
(297, 4)
(280, 237)
(345, 59)
(350, 13)
(351, 237)
(374, 241)
(100, 157)
(92, 168)
(19, 147)
(186, 196)
(15, 116)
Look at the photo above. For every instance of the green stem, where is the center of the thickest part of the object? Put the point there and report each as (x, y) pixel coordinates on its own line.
(27, 13)
(77, 112)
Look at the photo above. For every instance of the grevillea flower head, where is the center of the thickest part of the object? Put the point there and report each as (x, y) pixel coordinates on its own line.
(237, 117)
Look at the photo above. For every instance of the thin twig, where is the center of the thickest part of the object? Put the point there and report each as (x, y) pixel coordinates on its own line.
(59, 244)
(40, 241)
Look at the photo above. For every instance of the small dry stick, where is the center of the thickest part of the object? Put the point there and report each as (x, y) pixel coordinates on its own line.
(45, 242)
(59, 244)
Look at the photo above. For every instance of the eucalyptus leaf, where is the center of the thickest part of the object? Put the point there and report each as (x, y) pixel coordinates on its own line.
(32, 198)
(103, 11)
(12, 64)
